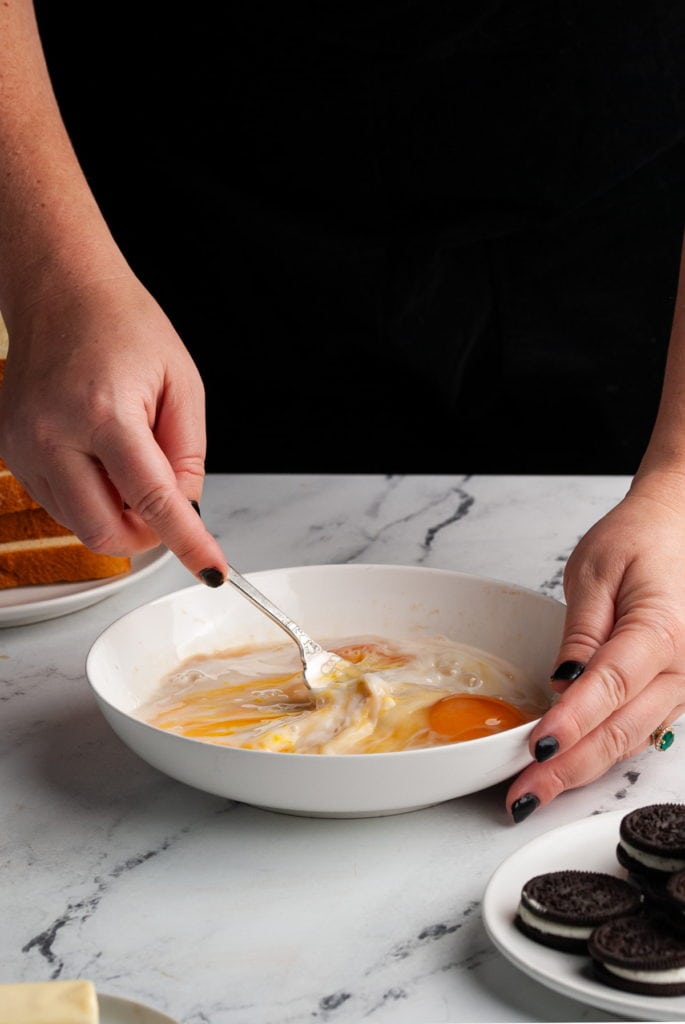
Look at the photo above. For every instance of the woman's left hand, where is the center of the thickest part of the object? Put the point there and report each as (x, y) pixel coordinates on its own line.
(620, 671)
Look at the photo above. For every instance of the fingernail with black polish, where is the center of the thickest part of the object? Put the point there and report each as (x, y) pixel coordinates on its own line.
(212, 577)
(568, 671)
(525, 805)
(196, 507)
(545, 748)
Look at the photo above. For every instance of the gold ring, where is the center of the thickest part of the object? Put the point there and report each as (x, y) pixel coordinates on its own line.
(662, 738)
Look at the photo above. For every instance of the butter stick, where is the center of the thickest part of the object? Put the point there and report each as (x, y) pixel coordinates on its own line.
(49, 1002)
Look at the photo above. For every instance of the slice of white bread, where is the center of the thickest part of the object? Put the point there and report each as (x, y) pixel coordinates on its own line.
(30, 524)
(62, 559)
(49, 1002)
(13, 496)
(35, 548)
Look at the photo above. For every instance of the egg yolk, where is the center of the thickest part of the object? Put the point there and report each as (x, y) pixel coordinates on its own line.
(467, 716)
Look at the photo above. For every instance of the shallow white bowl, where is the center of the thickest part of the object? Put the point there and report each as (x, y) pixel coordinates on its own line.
(127, 661)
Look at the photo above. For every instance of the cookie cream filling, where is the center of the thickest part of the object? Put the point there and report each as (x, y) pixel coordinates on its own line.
(653, 860)
(569, 931)
(673, 974)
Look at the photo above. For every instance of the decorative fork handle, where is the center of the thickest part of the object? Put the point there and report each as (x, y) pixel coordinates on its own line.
(305, 643)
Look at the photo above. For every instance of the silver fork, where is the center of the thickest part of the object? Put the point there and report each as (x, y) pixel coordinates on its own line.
(320, 667)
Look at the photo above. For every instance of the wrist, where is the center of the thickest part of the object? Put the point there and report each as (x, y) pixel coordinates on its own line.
(661, 476)
(54, 274)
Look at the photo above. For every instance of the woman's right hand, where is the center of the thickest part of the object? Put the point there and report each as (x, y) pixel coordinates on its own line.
(102, 419)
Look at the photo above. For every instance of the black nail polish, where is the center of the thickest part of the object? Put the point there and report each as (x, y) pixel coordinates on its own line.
(568, 671)
(212, 577)
(525, 805)
(545, 748)
(196, 507)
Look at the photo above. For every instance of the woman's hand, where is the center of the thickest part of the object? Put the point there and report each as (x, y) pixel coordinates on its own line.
(102, 408)
(620, 671)
(102, 419)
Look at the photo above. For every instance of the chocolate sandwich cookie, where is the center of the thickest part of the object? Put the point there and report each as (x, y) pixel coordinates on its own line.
(651, 844)
(639, 954)
(666, 902)
(673, 905)
(561, 908)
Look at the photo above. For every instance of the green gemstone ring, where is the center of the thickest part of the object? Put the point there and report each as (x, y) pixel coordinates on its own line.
(662, 738)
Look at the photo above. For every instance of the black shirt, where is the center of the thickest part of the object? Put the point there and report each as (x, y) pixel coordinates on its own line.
(467, 215)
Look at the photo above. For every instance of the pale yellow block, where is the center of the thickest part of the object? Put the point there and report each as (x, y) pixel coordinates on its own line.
(49, 1002)
(4, 339)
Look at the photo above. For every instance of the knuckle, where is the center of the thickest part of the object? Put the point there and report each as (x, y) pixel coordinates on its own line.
(585, 574)
(557, 780)
(615, 742)
(102, 403)
(102, 541)
(45, 436)
(155, 506)
(667, 633)
(614, 685)
(574, 726)
(582, 634)
(656, 630)
(190, 467)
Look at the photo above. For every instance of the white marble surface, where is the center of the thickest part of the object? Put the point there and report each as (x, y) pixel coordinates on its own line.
(219, 913)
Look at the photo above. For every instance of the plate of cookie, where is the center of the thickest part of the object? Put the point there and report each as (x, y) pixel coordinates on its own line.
(615, 974)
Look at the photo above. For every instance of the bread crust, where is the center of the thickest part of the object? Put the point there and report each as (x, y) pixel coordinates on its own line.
(29, 524)
(13, 496)
(56, 562)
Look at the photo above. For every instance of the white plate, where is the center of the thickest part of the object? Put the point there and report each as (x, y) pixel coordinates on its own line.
(588, 845)
(20, 606)
(114, 1010)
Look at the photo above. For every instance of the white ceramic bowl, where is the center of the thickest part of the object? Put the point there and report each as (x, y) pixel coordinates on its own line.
(128, 660)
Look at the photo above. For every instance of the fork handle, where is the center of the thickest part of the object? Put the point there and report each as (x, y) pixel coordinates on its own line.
(303, 640)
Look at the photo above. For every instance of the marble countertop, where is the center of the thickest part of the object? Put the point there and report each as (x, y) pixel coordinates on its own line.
(219, 913)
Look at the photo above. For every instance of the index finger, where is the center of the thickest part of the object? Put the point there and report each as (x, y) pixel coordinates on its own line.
(146, 481)
(176, 521)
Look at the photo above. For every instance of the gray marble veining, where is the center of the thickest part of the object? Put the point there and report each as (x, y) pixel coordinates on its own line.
(219, 913)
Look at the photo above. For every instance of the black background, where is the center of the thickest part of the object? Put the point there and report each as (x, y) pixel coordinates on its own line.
(402, 237)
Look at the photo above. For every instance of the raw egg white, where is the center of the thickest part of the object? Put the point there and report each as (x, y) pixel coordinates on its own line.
(422, 692)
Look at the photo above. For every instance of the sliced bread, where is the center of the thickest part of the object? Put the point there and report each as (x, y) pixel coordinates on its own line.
(13, 496)
(57, 559)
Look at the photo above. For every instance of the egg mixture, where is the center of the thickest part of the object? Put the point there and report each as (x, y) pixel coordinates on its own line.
(402, 695)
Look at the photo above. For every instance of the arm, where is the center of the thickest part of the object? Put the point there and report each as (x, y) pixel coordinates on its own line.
(102, 409)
